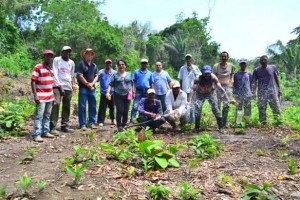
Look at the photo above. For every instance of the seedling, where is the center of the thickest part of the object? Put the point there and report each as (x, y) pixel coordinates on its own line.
(91, 136)
(284, 141)
(159, 191)
(193, 163)
(173, 148)
(77, 171)
(205, 146)
(258, 192)
(130, 171)
(3, 191)
(187, 192)
(292, 166)
(29, 157)
(224, 179)
(262, 152)
(118, 152)
(41, 184)
(282, 154)
(79, 152)
(243, 180)
(24, 182)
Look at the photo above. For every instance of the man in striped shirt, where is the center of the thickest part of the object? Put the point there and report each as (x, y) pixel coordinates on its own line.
(41, 85)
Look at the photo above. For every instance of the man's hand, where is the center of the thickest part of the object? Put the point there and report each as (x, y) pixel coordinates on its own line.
(36, 99)
(90, 86)
(108, 96)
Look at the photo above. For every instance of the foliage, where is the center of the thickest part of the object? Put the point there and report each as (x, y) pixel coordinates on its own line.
(41, 184)
(284, 140)
(173, 148)
(262, 152)
(118, 152)
(159, 191)
(225, 179)
(76, 171)
(292, 166)
(281, 154)
(258, 192)
(24, 182)
(3, 191)
(29, 157)
(205, 146)
(187, 192)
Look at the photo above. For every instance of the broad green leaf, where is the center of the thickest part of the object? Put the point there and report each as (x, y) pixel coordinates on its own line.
(173, 162)
(162, 162)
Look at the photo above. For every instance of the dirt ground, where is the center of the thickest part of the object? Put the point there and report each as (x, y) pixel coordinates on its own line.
(106, 179)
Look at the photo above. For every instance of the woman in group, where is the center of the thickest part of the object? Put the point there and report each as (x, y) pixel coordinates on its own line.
(122, 84)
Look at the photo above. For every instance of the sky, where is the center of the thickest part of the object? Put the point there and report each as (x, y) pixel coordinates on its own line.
(244, 28)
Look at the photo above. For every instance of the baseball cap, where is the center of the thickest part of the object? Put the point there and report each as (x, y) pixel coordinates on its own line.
(188, 55)
(206, 69)
(66, 48)
(48, 51)
(144, 60)
(150, 91)
(242, 60)
(176, 84)
(107, 60)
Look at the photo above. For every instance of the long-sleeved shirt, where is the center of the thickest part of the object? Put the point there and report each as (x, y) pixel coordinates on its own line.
(242, 82)
(144, 105)
(178, 104)
(188, 78)
(63, 72)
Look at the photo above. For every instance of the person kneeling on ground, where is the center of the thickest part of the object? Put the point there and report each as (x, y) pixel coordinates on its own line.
(205, 90)
(150, 111)
(176, 101)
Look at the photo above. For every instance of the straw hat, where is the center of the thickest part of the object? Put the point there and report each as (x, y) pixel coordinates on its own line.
(83, 52)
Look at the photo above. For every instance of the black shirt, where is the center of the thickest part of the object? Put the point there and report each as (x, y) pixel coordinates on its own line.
(89, 72)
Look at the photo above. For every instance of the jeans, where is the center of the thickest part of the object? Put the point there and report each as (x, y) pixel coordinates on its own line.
(153, 124)
(104, 102)
(138, 95)
(122, 107)
(86, 94)
(66, 108)
(273, 101)
(42, 118)
(162, 99)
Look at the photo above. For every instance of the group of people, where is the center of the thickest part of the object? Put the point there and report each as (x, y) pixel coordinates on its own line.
(156, 98)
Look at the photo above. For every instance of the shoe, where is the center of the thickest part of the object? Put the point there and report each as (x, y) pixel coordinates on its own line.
(101, 125)
(83, 128)
(55, 132)
(198, 129)
(67, 130)
(38, 139)
(93, 126)
(221, 130)
(113, 122)
(48, 135)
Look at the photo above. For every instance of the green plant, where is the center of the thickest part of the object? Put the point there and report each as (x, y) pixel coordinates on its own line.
(187, 192)
(41, 184)
(262, 152)
(284, 140)
(24, 182)
(187, 127)
(91, 136)
(29, 157)
(76, 171)
(173, 148)
(118, 152)
(159, 191)
(3, 191)
(282, 154)
(258, 192)
(243, 180)
(193, 163)
(79, 152)
(154, 156)
(292, 166)
(224, 179)
(130, 171)
(205, 146)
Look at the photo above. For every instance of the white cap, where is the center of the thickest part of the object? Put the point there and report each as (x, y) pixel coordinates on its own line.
(150, 91)
(144, 60)
(176, 84)
(66, 48)
(188, 55)
(242, 60)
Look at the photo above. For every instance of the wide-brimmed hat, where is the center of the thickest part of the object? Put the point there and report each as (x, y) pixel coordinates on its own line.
(83, 52)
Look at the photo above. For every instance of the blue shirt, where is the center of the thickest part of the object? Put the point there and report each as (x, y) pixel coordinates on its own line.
(104, 79)
(89, 72)
(242, 82)
(160, 82)
(120, 84)
(142, 79)
(145, 106)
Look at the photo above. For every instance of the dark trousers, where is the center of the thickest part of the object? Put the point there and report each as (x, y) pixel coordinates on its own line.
(244, 102)
(162, 99)
(153, 124)
(122, 107)
(66, 108)
(224, 101)
(273, 101)
(104, 103)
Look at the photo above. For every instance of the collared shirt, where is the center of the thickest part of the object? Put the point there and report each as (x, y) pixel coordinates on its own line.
(145, 106)
(265, 79)
(121, 84)
(142, 79)
(224, 74)
(188, 78)
(104, 78)
(89, 72)
(179, 103)
(63, 73)
(44, 83)
(242, 82)
(161, 81)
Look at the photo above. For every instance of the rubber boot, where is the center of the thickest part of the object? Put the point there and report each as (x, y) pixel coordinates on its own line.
(197, 123)
(220, 124)
(224, 119)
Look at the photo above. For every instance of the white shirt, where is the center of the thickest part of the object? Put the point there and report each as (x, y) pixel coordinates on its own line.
(63, 73)
(188, 78)
(179, 104)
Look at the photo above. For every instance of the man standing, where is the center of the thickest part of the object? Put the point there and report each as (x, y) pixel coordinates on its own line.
(224, 72)
(266, 78)
(205, 87)
(63, 69)
(187, 75)
(150, 110)
(42, 89)
(87, 75)
(176, 101)
(242, 82)
(142, 81)
(161, 82)
(104, 77)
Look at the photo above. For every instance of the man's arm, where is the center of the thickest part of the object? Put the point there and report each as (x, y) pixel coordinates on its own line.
(276, 76)
(254, 83)
(33, 88)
